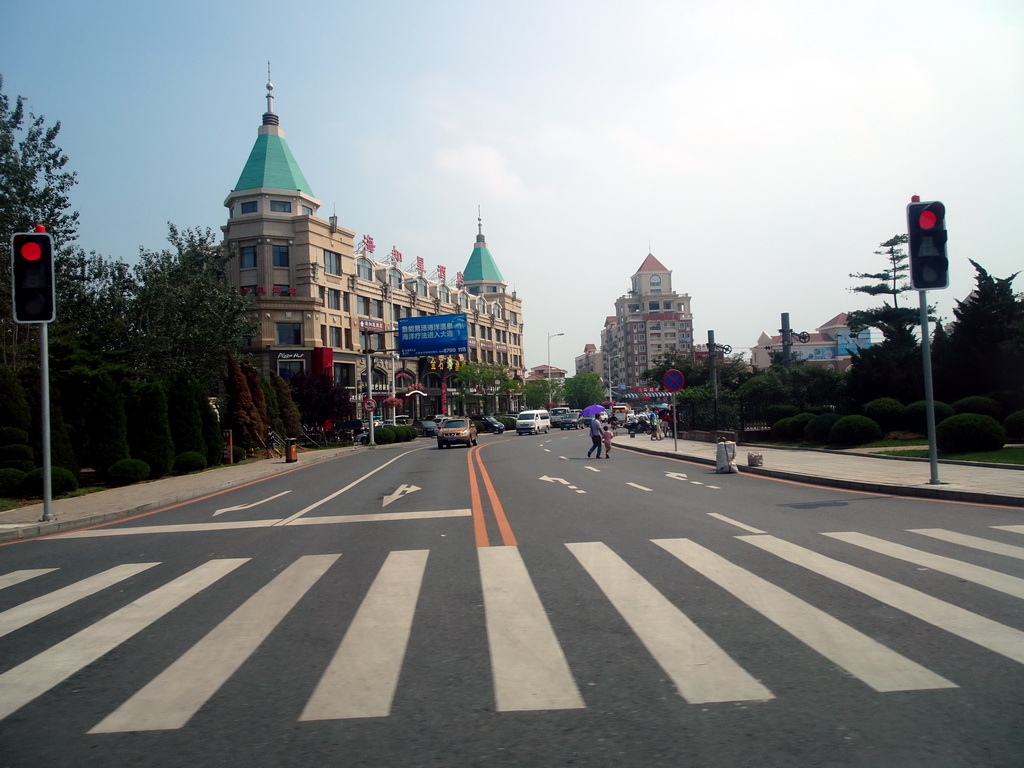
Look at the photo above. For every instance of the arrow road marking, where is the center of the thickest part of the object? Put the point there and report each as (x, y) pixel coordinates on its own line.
(401, 491)
(249, 506)
(561, 480)
(677, 475)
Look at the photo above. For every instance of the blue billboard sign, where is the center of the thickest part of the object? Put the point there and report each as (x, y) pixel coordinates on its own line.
(437, 335)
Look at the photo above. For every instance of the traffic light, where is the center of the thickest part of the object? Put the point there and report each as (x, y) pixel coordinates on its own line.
(32, 277)
(926, 230)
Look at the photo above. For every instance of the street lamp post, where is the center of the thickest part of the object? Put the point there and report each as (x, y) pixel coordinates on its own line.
(550, 337)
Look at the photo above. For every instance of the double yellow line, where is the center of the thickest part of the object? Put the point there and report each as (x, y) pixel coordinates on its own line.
(508, 539)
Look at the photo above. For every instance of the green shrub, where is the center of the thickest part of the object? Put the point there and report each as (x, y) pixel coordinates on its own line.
(13, 436)
(854, 430)
(886, 412)
(61, 482)
(818, 428)
(775, 413)
(22, 464)
(384, 436)
(967, 432)
(798, 426)
(915, 415)
(15, 453)
(985, 406)
(1014, 425)
(237, 453)
(10, 482)
(189, 461)
(780, 429)
(127, 472)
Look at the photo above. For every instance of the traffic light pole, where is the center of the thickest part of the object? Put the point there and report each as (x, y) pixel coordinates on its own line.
(44, 396)
(929, 395)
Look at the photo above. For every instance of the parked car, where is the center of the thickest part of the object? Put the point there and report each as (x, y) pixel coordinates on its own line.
(572, 420)
(428, 428)
(533, 422)
(557, 414)
(455, 432)
(492, 424)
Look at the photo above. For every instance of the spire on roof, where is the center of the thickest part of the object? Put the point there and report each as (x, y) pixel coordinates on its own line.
(269, 118)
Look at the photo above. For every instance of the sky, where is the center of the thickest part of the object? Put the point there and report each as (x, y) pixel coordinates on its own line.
(761, 151)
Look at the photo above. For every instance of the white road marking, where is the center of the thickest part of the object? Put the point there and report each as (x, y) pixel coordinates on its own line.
(1000, 582)
(639, 487)
(737, 523)
(700, 669)
(975, 542)
(866, 659)
(34, 677)
(171, 699)
(989, 634)
(530, 671)
(249, 506)
(16, 577)
(361, 679)
(401, 491)
(33, 610)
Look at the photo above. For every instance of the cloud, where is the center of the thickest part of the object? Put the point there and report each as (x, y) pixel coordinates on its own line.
(484, 167)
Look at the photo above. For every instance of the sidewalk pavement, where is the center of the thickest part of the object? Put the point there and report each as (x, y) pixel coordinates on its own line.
(859, 471)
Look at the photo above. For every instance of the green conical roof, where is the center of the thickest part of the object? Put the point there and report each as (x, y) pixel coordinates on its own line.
(481, 266)
(272, 165)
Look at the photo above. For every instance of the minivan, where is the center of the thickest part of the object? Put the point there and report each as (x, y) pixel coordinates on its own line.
(533, 422)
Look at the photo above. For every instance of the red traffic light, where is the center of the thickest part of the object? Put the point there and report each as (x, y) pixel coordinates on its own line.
(30, 251)
(927, 219)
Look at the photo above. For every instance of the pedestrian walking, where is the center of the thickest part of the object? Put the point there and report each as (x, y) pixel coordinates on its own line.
(595, 436)
(606, 438)
(655, 429)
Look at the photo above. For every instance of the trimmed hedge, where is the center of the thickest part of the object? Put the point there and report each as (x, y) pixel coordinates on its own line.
(854, 430)
(915, 415)
(127, 472)
(13, 436)
(775, 413)
(819, 428)
(189, 461)
(985, 406)
(1014, 425)
(10, 482)
(61, 482)
(237, 454)
(886, 412)
(16, 453)
(967, 432)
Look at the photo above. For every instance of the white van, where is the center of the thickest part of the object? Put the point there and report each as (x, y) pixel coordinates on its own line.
(533, 423)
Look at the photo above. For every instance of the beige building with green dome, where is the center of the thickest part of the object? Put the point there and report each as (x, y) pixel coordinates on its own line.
(322, 297)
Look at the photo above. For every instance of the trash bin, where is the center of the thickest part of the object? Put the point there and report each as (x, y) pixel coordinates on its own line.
(291, 450)
(725, 457)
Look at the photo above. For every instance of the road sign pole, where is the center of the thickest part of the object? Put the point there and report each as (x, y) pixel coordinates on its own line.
(44, 396)
(929, 395)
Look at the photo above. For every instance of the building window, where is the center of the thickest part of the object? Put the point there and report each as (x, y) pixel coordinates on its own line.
(654, 305)
(283, 290)
(247, 257)
(418, 286)
(496, 310)
(444, 294)
(333, 298)
(288, 368)
(364, 270)
(249, 207)
(348, 338)
(491, 289)
(335, 336)
(307, 211)
(289, 333)
(332, 263)
(377, 308)
(280, 255)
(280, 206)
(394, 278)
(363, 305)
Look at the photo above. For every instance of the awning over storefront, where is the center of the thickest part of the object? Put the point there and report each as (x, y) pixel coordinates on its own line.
(651, 395)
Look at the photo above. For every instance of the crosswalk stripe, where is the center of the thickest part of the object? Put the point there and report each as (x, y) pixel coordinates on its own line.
(989, 634)
(877, 666)
(974, 542)
(528, 666)
(32, 678)
(1010, 528)
(700, 669)
(33, 610)
(361, 679)
(17, 577)
(172, 697)
(1000, 582)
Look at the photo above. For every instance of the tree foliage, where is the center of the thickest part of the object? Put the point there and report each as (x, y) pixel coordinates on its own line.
(584, 389)
(895, 322)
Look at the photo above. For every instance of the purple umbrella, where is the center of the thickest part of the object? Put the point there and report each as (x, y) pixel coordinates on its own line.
(593, 410)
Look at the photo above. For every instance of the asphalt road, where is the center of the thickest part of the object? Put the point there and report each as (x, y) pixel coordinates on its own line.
(517, 604)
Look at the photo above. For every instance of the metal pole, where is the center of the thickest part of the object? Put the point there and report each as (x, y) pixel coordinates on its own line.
(44, 396)
(369, 393)
(787, 339)
(929, 395)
